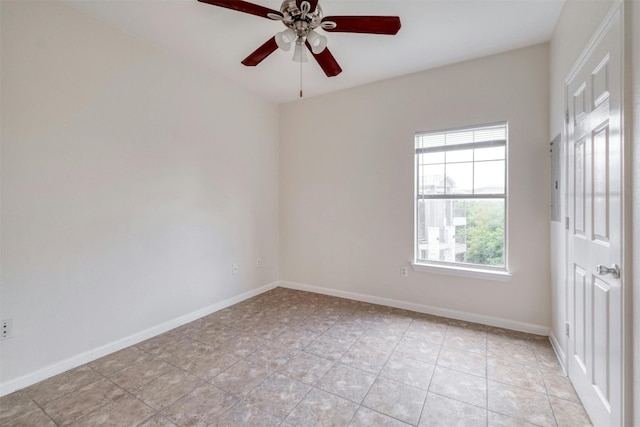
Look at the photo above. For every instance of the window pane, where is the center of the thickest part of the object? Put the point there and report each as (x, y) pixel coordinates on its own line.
(467, 231)
(460, 178)
(488, 177)
(431, 179)
(485, 232)
(491, 153)
(460, 156)
(432, 158)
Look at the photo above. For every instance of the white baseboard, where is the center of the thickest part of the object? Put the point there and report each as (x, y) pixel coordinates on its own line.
(560, 354)
(420, 308)
(88, 356)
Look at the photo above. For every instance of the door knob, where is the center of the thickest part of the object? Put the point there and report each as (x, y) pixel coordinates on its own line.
(614, 270)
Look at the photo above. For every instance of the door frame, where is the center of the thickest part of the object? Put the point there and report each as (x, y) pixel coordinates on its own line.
(626, 262)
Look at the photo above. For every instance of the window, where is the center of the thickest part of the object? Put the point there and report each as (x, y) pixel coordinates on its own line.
(461, 197)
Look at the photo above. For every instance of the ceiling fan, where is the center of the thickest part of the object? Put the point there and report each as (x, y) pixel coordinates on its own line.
(302, 18)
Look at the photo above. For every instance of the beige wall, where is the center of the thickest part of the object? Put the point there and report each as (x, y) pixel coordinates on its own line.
(131, 181)
(346, 185)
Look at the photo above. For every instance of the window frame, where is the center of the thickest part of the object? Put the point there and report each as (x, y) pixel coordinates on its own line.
(500, 273)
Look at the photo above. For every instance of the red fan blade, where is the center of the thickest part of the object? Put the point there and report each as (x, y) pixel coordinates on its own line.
(242, 6)
(261, 53)
(326, 61)
(389, 25)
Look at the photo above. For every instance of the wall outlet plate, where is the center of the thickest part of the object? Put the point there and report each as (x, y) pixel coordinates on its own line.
(6, 329)
(404, 271)
(234, 268)
(258, 263)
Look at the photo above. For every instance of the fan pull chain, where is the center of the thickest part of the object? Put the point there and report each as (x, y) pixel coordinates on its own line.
(300, 79)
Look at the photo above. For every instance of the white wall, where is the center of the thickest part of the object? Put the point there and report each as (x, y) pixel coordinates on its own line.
(346, 184)
(131, 181)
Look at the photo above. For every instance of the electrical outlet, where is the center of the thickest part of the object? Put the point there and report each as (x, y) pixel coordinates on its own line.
(7, 328)
(258, 263)
(404, 271)
(234, 268)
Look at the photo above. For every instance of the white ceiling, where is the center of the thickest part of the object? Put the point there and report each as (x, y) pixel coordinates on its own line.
(433, 33)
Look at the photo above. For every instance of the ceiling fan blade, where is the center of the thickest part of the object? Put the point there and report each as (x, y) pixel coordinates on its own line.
(243, 6)
(261, 53)
(326, 61)
(389, 25)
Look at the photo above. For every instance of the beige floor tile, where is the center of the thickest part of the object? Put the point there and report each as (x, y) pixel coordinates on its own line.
(185, 350)
(273, 355)
(366, 358)
(200, 407)
(569, 414)
(55, 387)
(345, 381)
(208, 366)
(278, 394)
(500, 420)
(140, 373)
(296, 338)
(408, 371)
(440, 411)
(158, 420)
(347, 330)
(306, 367)
(14, 405)
(329, 347)
(242, 377)
(512, 352)
(75, 405)
(460, 386)
(559, 386)
(320, 408)
(366, 417)
(471, 340)
(245, 415)
(124, 411)
(243, 345)
(418, 349)
(31, 418)
(427, 330)
(380, 340)
(521, 404)
(167, 388)
(119, 360)
(396, 400)
(463, 361)
(514, 373)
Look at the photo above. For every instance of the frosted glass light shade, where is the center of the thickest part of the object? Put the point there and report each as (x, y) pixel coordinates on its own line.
(285, 38)
(317, 42)
(300, 53)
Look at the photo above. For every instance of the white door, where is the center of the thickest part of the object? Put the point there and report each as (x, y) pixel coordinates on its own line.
(594, 144)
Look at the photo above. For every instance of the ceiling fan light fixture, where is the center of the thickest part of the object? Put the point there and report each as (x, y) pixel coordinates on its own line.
(285, 38)
(318, 42)
(300, 53)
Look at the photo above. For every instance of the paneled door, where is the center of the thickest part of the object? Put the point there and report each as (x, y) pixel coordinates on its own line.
(594, 144)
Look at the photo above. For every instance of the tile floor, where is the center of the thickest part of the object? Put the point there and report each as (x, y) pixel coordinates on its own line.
(290, 358)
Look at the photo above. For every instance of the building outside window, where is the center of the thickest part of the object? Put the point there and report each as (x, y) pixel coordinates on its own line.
(461, 196)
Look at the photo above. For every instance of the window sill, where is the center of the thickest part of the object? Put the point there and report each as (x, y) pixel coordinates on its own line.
(472, 273)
